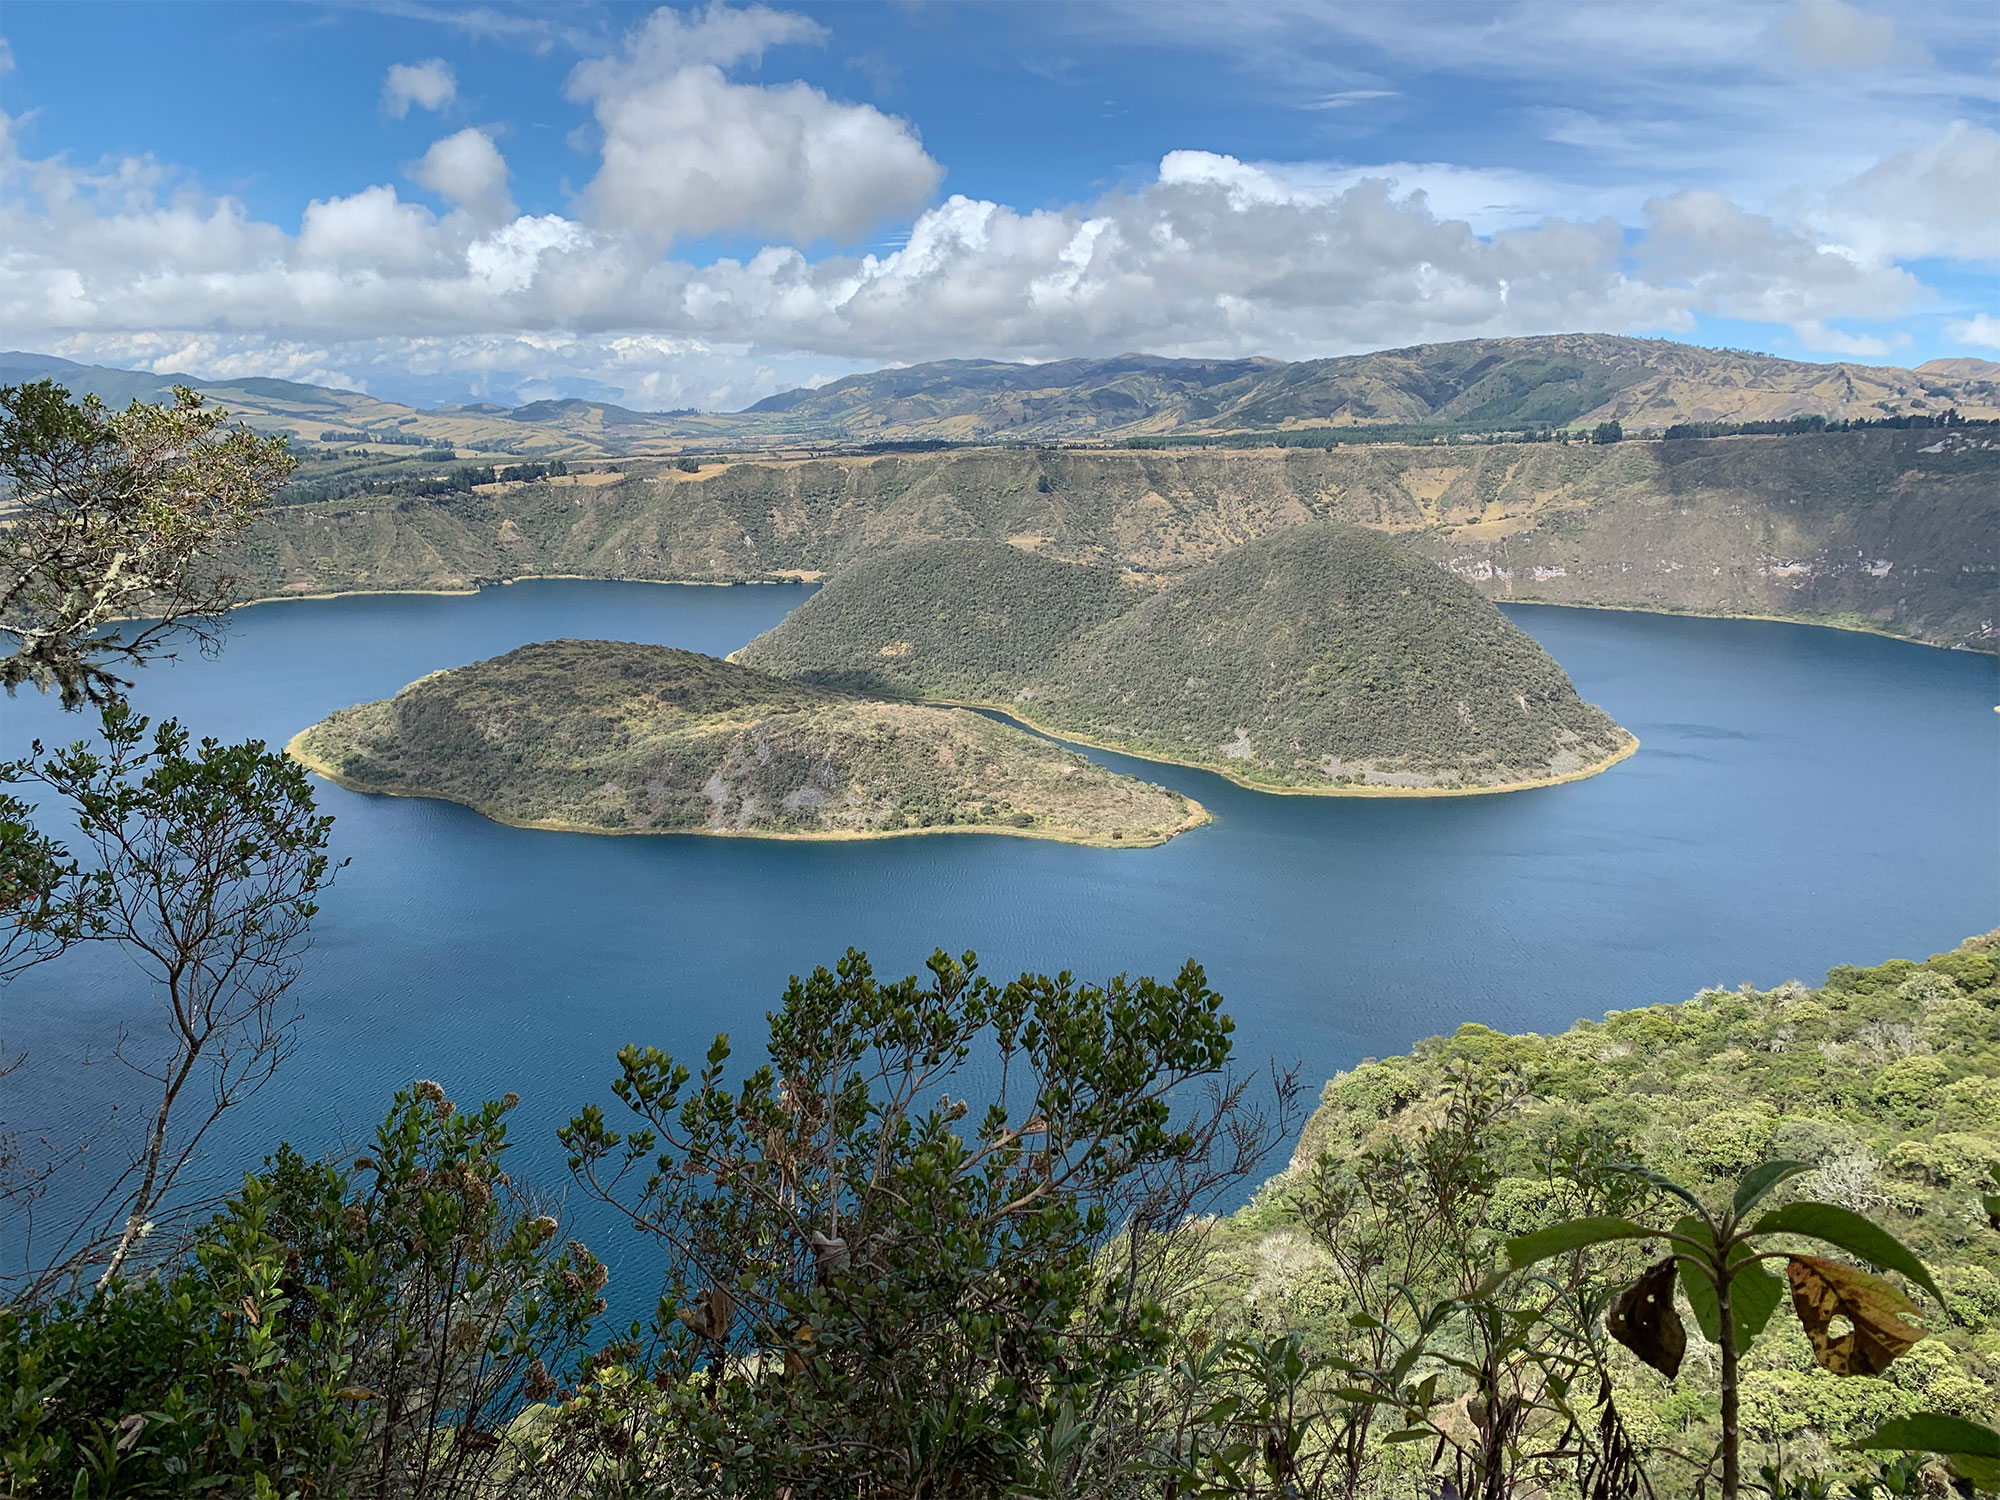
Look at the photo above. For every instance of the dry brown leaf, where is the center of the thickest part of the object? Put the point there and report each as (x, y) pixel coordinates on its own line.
(711, 1314)
(1643, 1319)
(1823, 1290)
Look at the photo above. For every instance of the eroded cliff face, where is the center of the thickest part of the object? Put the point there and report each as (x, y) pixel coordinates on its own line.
(1901, 536)
(1897, 531)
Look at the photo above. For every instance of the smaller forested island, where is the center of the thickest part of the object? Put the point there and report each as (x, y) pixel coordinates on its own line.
(612, 737)
(1323, 658)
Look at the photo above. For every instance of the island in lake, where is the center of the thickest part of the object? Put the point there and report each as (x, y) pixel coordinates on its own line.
(612, 737)
(1322, 658)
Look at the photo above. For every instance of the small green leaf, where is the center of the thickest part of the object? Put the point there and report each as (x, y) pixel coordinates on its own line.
(1697, 1230)
(1754, 1294)
(1981, 1472)
(1848, 1231)
(1577, 1234)
(1933, 1432)
(1759, 1181)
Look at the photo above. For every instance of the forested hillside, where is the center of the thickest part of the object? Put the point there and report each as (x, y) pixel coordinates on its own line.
(1896, 531)
(1885, 1081)
(1322, 657)
(1328, 654)
(963, 621)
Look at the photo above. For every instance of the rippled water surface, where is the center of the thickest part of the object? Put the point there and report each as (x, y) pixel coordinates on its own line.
(1803, 797)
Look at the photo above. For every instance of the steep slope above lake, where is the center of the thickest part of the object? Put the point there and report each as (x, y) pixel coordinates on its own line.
(611, 737)
(1884, 1081)
(1323, 658)
(1896, 531)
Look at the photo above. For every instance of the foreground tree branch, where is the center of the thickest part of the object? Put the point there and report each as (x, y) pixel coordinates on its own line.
(206, 862)
(114, 515)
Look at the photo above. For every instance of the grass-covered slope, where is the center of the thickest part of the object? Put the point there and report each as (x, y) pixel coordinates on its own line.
(611, 737)
(1327, 655)
(1551, 379)
(1886, 1080)
(969, 621)
(1324, 658)
(1576, 378)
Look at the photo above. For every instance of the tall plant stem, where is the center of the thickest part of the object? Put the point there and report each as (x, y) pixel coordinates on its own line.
(1731, 1436)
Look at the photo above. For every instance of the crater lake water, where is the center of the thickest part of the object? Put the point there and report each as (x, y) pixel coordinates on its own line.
(1803, 797)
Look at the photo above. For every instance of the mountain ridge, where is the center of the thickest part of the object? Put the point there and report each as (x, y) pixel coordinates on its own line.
(1571, 381)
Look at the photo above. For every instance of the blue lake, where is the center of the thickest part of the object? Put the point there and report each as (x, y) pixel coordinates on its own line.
(1803, 797)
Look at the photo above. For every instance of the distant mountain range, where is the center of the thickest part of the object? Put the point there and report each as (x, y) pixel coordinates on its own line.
(1561, 380)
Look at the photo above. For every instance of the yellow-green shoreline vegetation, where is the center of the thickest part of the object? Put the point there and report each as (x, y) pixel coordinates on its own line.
(1325, 658)
(613, 737)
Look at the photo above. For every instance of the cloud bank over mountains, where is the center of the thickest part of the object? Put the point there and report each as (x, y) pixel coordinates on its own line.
(127, 261)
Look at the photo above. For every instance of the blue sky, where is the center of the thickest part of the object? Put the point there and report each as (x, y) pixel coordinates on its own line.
(698, 206)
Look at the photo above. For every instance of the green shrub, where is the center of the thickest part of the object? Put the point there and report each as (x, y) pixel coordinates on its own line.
(1728, 1142)
(1910, 1087)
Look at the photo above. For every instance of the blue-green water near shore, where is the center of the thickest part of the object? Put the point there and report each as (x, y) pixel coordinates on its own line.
(1803, 797)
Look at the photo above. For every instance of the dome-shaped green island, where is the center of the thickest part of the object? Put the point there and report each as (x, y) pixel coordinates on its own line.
(612, 737)
(1323, 658)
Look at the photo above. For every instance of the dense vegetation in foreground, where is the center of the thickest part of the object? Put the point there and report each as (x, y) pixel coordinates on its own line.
(607, 736)
(1322, 658)
(1893, 531)
(1883, 1082)
(872, 1289)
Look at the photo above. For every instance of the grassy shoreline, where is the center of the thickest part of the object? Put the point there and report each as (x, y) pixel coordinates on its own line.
(1199, 816)
(1854, 627)
(705, 583)
(1670, 611)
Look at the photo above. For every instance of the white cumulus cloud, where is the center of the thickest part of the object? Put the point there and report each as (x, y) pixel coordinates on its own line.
(468, 172)
(1214, 256)
(1981, 331)
(687, 151)
(1941, 198)
(430, 84)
